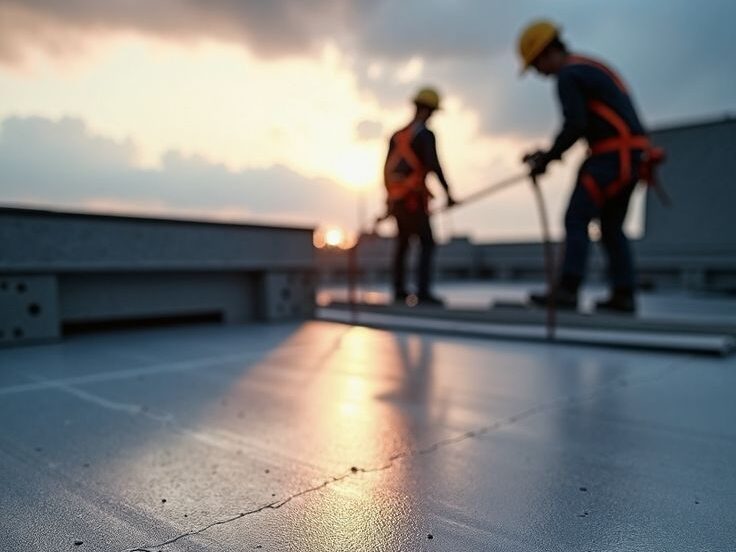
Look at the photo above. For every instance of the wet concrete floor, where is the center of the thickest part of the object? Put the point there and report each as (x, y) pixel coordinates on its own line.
(324, 437)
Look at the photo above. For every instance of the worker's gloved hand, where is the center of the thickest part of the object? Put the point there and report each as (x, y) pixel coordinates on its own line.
(537, 162)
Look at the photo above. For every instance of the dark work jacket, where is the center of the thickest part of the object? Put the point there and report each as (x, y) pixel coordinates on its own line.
(583, 80)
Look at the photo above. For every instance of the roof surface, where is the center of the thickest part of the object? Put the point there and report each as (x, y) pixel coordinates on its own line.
(323, 436)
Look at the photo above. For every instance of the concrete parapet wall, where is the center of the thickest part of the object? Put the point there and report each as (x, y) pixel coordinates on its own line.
(60, 270)
(29, 308)
(46, 241)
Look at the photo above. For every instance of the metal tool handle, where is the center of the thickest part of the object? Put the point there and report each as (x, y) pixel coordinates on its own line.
(483, 192)
(549, 260)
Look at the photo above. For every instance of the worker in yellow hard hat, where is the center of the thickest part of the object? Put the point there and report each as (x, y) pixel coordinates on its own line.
(597, 106)
(412, 155)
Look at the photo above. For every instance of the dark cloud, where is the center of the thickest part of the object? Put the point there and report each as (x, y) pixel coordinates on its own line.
(675, 53)
(273, 27)
(63, 164)
(438, 29)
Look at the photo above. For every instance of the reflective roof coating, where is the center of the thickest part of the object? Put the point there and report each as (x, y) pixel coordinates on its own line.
(324, 436)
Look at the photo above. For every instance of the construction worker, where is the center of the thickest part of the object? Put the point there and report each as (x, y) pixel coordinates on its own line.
(412, 155)
(597, 106)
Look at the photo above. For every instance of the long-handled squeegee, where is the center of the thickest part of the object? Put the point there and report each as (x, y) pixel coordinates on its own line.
(483, 192)
(475, 196)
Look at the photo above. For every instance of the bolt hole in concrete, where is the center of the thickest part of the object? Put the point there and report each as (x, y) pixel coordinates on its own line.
(21, 287)
(3, 286)
(17, 333)
(34, 309)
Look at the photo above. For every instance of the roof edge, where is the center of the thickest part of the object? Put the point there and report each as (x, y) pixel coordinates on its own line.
(726, 118)
(6, 208)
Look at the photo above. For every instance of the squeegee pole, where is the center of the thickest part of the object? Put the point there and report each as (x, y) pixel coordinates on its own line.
(475, 196)
(549, 261)
(483, 192)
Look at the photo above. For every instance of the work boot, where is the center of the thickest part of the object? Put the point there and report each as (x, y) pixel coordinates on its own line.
(429, 300)
(563, 299)
(621, 301)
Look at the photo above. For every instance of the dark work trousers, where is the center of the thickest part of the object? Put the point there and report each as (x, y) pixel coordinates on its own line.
(412, 223)
(611, 212)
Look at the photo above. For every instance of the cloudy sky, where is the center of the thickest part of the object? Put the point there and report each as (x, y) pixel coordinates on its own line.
(279, 110)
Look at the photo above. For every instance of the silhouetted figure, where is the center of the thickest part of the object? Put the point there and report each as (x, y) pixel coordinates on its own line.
(597, 106)
(412, 155)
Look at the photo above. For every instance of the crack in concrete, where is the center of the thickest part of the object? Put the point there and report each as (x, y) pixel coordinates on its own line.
(270, 506)
(434, 447)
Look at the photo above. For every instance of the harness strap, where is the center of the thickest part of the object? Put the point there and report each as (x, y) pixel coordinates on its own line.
(614, 144)
(400, 185)
(624, 143)
(618, 81)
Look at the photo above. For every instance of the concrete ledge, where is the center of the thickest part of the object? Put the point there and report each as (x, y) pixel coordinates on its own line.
(84, 270)
(51, 241)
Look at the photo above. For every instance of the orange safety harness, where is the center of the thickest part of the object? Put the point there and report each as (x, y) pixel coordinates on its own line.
(624, 143)
(409, 187)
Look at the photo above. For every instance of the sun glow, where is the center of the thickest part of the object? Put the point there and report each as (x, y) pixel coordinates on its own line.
(357, 167)
(333, 238)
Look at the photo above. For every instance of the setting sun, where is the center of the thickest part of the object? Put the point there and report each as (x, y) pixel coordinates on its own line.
(333, 237)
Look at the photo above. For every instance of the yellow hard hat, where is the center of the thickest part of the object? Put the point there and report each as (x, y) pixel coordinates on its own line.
(428, 97)
(534, 39)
